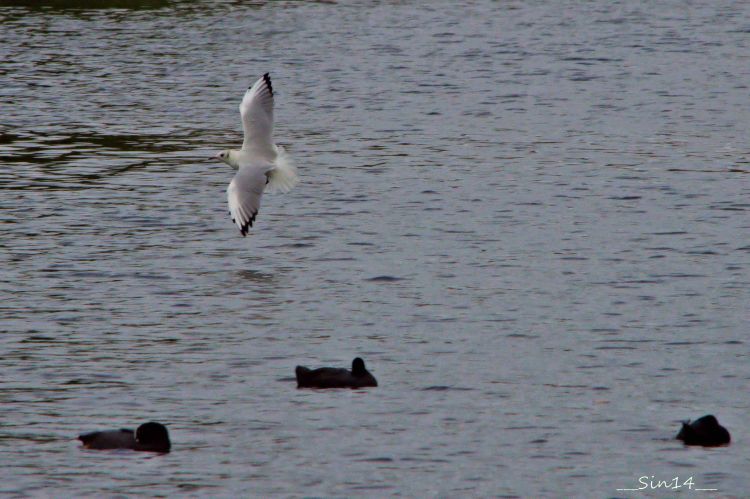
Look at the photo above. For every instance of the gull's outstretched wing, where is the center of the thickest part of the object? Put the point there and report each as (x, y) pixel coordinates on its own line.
(256, 109)
(244, 193)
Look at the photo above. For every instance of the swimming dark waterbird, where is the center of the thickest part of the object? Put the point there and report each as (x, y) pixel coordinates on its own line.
(149, 437)
(333, 377)
(705, 431)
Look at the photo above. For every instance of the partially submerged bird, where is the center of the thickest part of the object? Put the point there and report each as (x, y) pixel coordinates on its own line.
(333, 377)
(705, 431)
(150, 437)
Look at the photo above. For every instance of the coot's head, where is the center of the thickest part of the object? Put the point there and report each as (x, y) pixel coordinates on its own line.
(358, 367)
(152, 436)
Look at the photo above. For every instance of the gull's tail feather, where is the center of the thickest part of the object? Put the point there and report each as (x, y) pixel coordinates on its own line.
(283, 177)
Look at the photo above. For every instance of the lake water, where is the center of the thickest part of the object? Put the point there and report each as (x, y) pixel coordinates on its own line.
(529, 218)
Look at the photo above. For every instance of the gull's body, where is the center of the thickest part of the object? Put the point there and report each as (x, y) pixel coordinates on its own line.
(260, 164)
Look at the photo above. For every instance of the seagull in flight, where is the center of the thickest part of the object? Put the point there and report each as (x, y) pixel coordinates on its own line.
(261, 165)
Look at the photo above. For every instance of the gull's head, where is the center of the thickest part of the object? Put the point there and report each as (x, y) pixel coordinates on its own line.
(223, 156)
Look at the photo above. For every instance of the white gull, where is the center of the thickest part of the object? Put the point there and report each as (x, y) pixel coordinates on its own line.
(260, 164)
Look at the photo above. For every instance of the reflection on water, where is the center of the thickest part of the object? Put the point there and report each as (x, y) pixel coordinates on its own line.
(528, 218)
(52, 6)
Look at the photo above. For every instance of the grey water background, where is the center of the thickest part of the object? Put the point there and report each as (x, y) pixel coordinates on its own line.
(530, 218)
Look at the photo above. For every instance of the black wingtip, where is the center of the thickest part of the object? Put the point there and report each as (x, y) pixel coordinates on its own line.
(267, 79)
(246, 226)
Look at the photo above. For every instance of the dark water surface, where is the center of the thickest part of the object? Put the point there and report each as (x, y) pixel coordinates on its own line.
(530, 218)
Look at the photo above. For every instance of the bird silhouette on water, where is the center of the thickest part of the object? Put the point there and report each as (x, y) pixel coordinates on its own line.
(333, 377)
(705, 431)
(149, 437)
